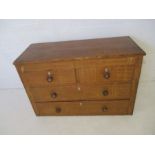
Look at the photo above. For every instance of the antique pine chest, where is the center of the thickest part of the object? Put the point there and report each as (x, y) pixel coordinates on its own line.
(83, 77)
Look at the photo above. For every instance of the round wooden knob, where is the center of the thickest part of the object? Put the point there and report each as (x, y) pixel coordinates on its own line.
(54, 94)
(106, 73)
(104, 109)
(105, 93)
(58, 109)
(49, 77)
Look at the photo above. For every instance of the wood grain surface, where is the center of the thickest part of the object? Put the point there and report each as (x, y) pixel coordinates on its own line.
(86, 77)
(80, 49)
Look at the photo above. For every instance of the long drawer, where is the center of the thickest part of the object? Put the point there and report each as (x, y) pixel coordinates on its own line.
(84, 92)
(119, 107)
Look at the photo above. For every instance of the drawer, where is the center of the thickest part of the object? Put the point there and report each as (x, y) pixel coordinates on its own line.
(84, 108)
(35, 75)
(106, 91)
(105, 73)
(65, 93)
(84, 92)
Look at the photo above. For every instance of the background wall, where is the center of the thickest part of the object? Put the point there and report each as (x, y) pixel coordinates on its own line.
(16, 35)
(16, 114)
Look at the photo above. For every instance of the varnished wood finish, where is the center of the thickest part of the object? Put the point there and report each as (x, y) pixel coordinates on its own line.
(86, 92)
(86, 77)
(65, 93)
(105, 92)
(84, 108)
(97, 74)
(40, 78)
(134, 84)
(81, 49)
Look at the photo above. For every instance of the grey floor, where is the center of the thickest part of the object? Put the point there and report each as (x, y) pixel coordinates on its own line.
(17, 117)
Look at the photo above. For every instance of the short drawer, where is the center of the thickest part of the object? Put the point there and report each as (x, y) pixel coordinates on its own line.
(49, 74)
(106, 91)
(84, 108)
(105, 73)
(106, 70)
(59, 93)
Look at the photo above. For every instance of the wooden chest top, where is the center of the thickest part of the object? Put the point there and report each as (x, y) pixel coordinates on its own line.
(80, 49)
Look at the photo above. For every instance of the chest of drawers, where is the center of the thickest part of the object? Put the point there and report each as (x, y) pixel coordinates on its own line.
(84, 77)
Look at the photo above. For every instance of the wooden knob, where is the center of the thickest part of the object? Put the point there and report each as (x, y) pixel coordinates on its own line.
(58, 109)
(54, 94)
(105, 93)
(104, 109)
(106, 73)
(49, 77)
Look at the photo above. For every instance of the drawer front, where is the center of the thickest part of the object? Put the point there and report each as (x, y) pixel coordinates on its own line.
(48, 74)
(84, 108)
(66, 93)
(115, 91)
(105, 73)
(84, 92)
